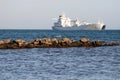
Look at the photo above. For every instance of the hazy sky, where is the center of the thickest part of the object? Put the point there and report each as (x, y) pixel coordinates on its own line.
(38, 14)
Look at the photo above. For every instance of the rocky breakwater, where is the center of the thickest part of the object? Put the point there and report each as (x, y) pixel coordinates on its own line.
(53, 43)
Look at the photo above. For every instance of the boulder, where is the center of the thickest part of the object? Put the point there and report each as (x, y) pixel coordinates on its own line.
(53, 43)
(55, 40)
(111, 44)
(7, 41)
(67, 40)
(36, 43)
(115, 43)
(98, 43)
(75, 44)
(29, 45)
(84, 40)
(1, 42)
(40, 42)
(13, 46)
(38, 39)
(20, 42)
(46, 41)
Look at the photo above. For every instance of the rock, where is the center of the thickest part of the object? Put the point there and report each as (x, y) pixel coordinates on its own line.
(38, 39)
(7, 41)
(67, 40)
(84, 40)
(29, 45)
(54, 41)
(115, 43)
(46, 41)
(111, 44)
(98, 43)
(1, 42)
(75, 44)
(42, 41)
(12, 46)
(90, 44)
(36, 43)
(31, 42)
(20, 42)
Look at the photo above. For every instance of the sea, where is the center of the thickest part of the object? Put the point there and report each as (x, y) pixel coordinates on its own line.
(74, 63)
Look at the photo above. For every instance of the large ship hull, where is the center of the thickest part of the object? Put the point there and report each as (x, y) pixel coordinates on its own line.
(82, 27)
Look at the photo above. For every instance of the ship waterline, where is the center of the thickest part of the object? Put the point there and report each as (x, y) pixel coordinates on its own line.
(83, 27)
(65, 23)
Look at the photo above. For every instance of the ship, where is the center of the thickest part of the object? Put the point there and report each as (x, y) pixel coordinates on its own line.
(65, 23)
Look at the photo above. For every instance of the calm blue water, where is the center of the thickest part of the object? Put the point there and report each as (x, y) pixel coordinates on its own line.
(100, 63)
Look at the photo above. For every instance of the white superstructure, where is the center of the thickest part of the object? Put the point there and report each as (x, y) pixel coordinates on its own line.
(65, 23)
